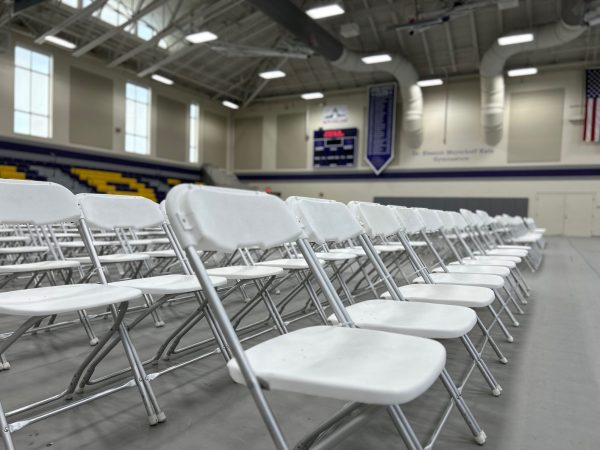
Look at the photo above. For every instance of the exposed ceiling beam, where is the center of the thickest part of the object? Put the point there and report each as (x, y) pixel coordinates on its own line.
(187, 50)
(116, 30)
(85, 12)
(450, 43)
(427, 52)
(474, 38)
(261, 85)
(208, 13)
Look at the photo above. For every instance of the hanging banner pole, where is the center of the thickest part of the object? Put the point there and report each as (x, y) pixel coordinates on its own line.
(381, 126)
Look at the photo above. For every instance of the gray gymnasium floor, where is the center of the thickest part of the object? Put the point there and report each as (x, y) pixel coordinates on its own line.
(551, 396)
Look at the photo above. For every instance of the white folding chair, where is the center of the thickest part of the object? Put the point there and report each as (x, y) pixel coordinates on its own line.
(41, 204)
(366, 367)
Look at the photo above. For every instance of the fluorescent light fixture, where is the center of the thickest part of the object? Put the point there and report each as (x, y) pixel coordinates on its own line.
(376, 59)
(229, 104)
(321, 12)
(60, 42)
(515, 39)
(200, 37)
(161, 79)
(523, 72)
(431, 82)
(312, 95)
(269, 75)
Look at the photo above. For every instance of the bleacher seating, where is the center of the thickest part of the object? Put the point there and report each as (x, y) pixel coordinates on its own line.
(109, 182)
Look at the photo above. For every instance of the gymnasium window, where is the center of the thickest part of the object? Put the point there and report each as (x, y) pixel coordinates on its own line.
(33, 86)
(137, 120)
(194, 132)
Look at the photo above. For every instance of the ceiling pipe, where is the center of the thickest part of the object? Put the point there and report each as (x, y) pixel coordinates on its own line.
(491, 71)
(292, 18)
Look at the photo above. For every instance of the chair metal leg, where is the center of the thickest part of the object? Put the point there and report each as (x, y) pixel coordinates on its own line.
(492, 341)
(482, 366)
(404, 429)
(237, 351)
(5, 430)
(478, 433)
(506, 309)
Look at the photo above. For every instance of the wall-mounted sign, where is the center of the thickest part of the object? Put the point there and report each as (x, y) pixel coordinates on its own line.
(335, 148)
(335, 114)
(381, 126)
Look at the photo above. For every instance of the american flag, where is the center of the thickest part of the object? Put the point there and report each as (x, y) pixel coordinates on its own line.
(591, 127)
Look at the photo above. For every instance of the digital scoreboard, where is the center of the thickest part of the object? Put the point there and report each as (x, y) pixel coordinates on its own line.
(335, 148)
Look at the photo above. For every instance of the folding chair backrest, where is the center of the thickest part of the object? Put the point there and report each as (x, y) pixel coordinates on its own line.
(446, 219)
(409, 218)
(222, 219)
(324, 220)
(119, 211)
(469, 217)
(376, 219)
(459, 220)
(36, 203)
(430, 219)
(484, 216)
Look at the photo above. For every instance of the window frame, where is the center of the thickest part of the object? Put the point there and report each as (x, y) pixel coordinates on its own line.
(50, 88)
(194, 129)
(135, 135)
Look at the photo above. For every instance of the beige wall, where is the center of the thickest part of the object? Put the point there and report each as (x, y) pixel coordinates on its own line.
(453, 139)
(452, 132)
(79, 100)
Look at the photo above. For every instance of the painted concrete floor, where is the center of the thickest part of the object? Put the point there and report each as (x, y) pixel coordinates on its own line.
(551, 397)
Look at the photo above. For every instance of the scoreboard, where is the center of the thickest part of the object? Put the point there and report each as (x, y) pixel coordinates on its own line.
(335, 148)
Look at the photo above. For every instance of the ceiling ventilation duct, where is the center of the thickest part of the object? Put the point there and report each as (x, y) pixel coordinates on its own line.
(297, 22)
(569, 27)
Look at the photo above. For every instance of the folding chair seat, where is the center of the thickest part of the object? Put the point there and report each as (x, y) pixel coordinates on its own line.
(23, 249)
(365, 366)
(475, 269)
(466, 279)
(115, 258)
(12, 239)
(245, 272)
(46, 301)
(161, 253)
(168, 284)
(415, 319)
(286, 263)
(38, 266)
(356, 251)
(335, 256)
(347, 364)
(447, 294)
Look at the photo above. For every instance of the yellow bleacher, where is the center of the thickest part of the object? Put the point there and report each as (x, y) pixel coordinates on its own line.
(8, 171)
(173, 181)
(103, 180)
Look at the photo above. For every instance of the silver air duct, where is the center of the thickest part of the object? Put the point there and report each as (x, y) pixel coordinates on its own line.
(491, 70)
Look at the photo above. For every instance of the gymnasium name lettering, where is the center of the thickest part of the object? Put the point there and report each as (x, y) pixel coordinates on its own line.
(455, 155)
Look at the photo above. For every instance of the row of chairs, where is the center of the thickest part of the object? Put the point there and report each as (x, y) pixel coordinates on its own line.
(382, 285)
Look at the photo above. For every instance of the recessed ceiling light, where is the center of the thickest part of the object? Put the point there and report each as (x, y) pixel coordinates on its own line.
(431, 82)
(376, 59)
(522, 72)
(515, 39)
(312, 95)
(321, 12)
(230, 104)
(269, 75)
(161, 79)
(200, 37)
(60, 42)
